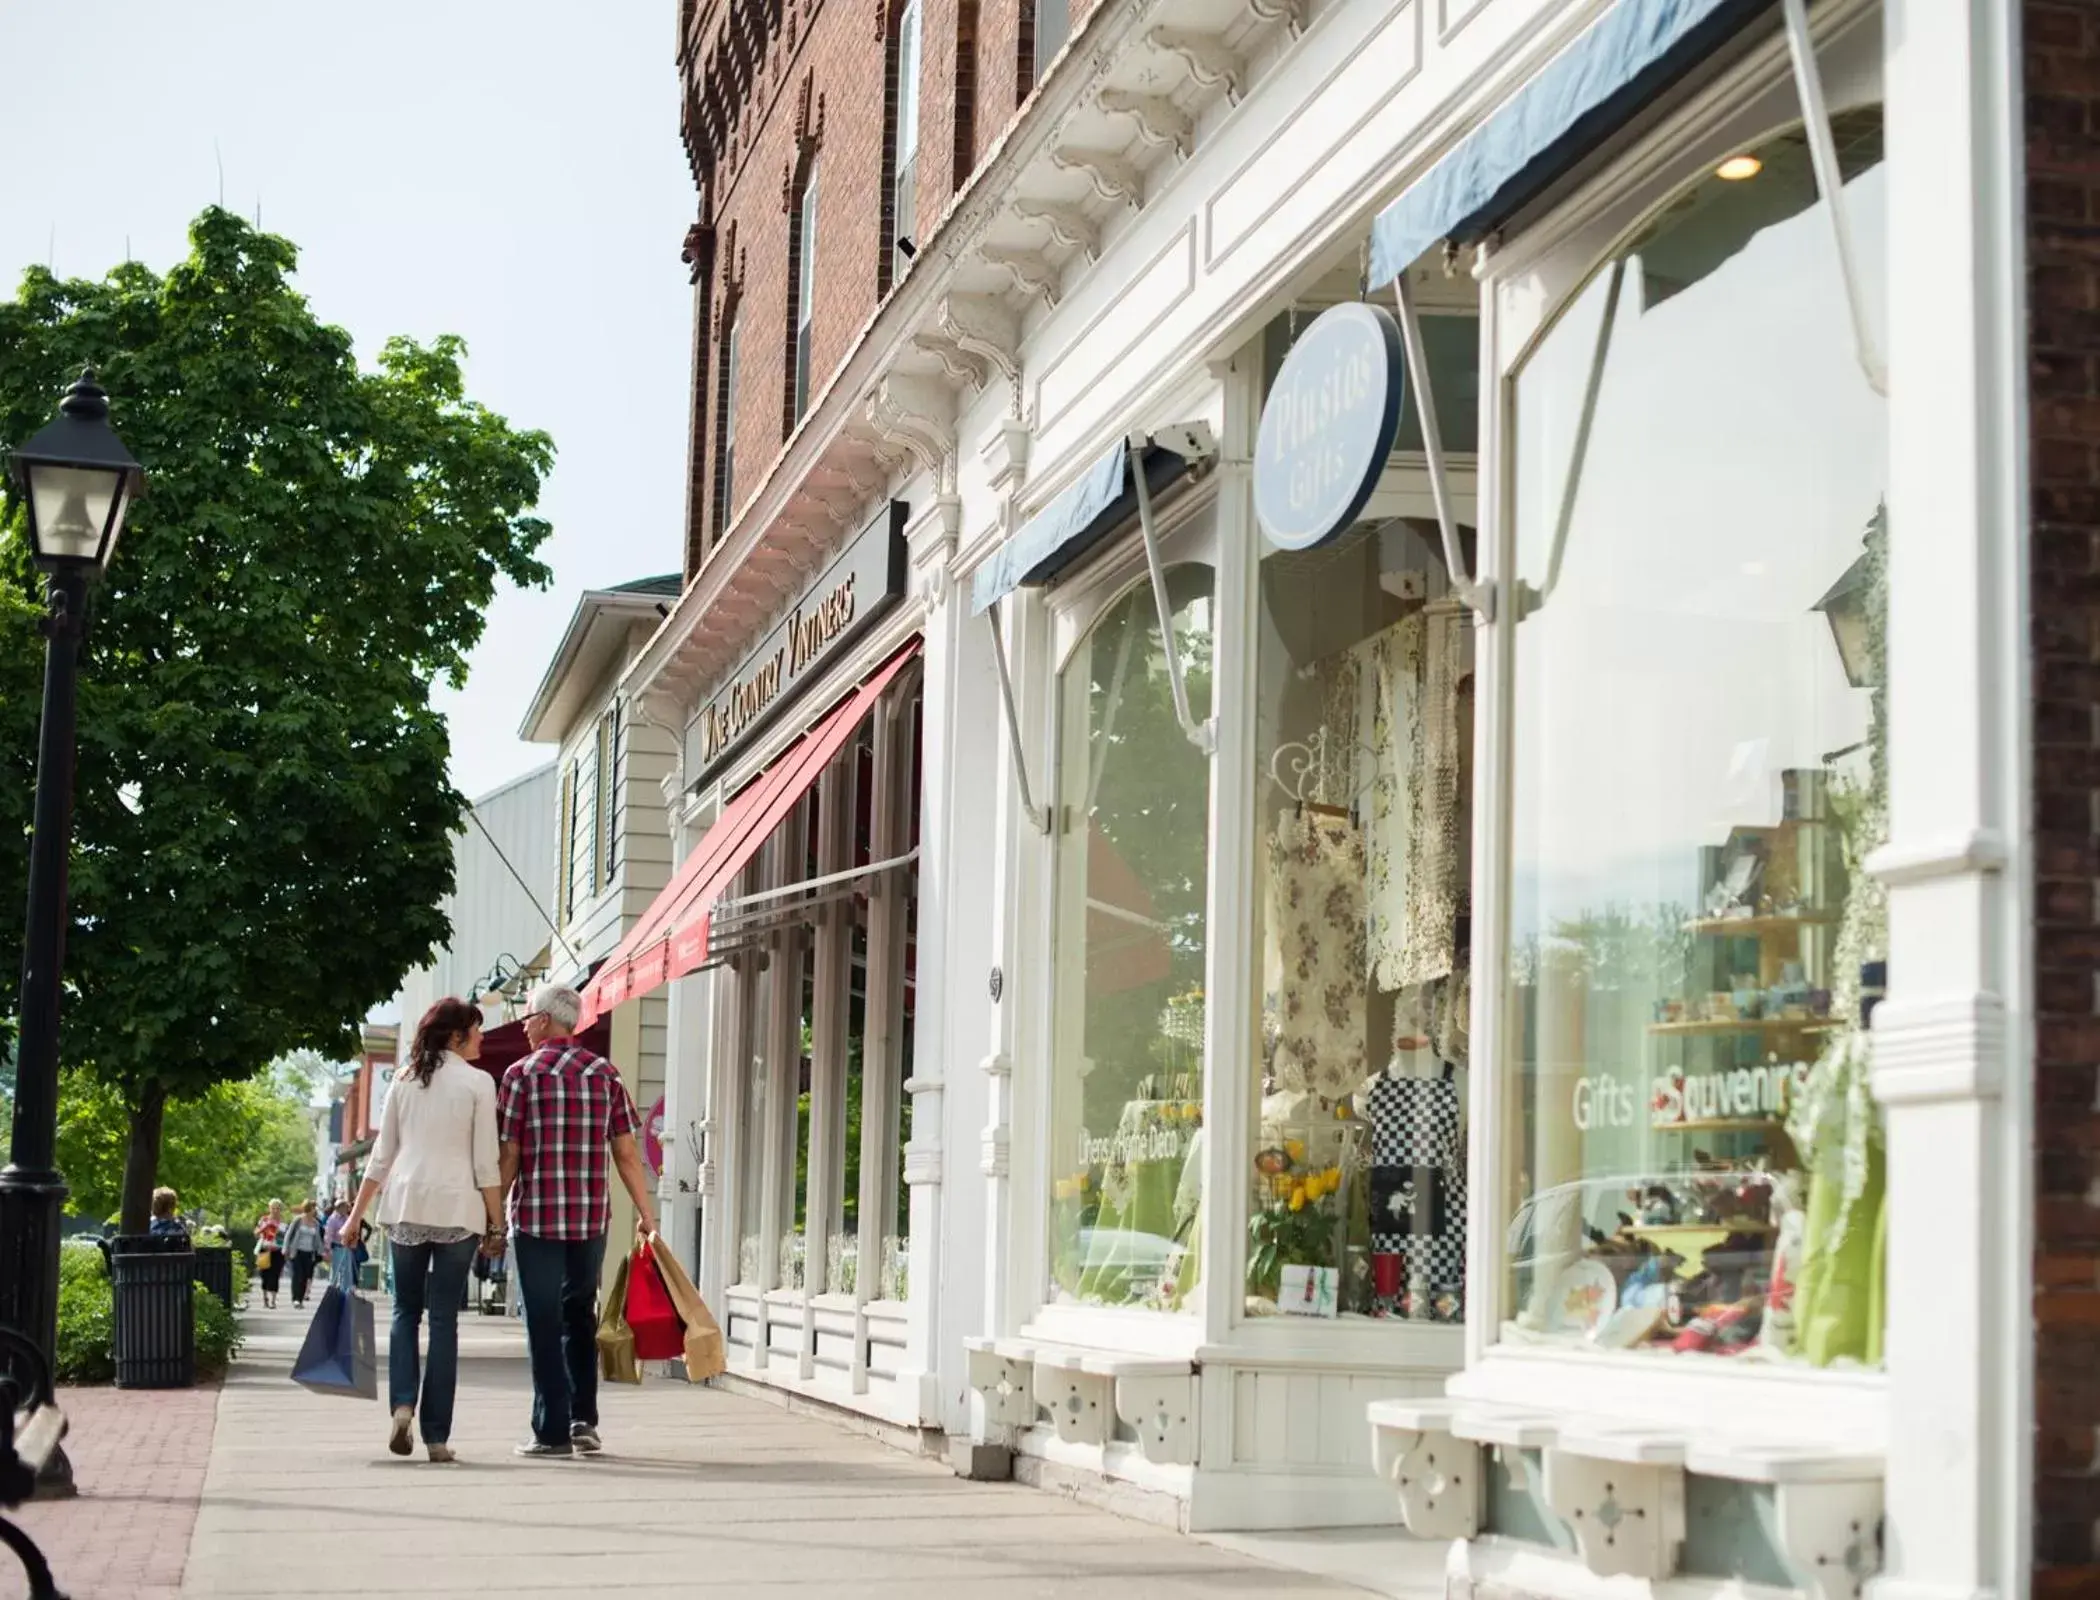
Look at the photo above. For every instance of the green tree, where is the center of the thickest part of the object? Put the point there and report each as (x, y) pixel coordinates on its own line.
(264, 826)
(228, 1151)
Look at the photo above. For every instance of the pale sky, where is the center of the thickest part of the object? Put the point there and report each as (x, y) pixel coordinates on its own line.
(508, 172)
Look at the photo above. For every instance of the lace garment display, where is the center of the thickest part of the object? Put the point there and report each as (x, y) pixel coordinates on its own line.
(1315, 921)
(1416, 837)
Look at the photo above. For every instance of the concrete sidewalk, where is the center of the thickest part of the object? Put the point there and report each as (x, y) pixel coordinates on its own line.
(700, 1492)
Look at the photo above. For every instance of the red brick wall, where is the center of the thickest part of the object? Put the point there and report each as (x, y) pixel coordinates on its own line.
(2063, 201)
(762, 80)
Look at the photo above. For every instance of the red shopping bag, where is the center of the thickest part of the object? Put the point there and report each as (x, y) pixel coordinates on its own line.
(658, 1334)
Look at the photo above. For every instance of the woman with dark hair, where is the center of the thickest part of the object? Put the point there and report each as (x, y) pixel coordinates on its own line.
(435, 1176)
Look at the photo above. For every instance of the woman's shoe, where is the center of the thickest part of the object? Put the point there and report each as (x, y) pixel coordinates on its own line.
(442, 1453)
(398, 1440)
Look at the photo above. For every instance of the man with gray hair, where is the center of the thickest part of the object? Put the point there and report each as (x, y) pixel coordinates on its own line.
(559, 1112)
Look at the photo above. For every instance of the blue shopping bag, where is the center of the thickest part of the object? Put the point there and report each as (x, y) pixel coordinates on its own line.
(339, 1355)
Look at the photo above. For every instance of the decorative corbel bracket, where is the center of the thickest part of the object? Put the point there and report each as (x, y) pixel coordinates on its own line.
(1438, 1478)
(1623, 1498)
(1078, 1401)
(1004, 1381)
(1830, 1535)
(1158, 1399)
(1211, 64)
(1032, 275)
(1824, 1512)
(1160, 122)
(1113, 178)
(1291, 13)
(959, 366)
(917, 414)
(984, 330)
(1068, 225)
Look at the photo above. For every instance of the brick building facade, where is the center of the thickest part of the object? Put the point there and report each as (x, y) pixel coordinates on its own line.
(2062, 81)
(775, 91)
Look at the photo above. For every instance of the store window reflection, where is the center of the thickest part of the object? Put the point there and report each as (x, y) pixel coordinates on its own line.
(1364, 731)
(1127, 1098)
(1699, 751)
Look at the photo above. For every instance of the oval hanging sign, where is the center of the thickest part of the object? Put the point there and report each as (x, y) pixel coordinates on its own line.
(1328, 425)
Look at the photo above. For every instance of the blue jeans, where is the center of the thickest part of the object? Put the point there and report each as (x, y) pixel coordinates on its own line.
(428, 1278)
(558, 1286)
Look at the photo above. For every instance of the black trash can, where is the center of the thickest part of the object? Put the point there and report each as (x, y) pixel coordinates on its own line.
(156, 1332)
(214, 1269)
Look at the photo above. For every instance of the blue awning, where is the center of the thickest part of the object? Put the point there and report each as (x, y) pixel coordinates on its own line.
(1632, 54)
(1102, 500)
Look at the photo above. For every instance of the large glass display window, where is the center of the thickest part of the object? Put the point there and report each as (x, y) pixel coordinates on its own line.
(1696, 469)
(1364, 732)
(1132, 842)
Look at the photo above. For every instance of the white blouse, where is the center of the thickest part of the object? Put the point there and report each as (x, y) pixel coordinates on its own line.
(437, 1148)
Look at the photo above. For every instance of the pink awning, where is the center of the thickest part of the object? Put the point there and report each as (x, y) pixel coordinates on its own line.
(671, 937)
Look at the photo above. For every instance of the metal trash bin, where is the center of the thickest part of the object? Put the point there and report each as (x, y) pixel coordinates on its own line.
(214, 1269)
(155, 1333)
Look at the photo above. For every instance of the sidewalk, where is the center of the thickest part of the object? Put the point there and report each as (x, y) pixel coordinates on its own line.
(139, 1461)
(699, 1493)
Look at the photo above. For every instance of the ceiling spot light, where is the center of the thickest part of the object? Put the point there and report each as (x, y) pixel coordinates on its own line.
(1736, 168)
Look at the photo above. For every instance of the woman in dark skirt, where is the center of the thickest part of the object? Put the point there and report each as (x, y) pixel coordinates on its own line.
(269, 1251)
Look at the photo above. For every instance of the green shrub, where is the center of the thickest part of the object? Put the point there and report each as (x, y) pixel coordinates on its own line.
(86, 1317)
(218, 1335)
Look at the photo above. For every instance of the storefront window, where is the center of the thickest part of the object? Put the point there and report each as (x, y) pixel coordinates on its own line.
(1698, 475)
(1364, 731)
(1132, 850)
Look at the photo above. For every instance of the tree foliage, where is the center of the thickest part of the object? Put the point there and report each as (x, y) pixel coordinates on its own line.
(228, 1151)
(263, 832)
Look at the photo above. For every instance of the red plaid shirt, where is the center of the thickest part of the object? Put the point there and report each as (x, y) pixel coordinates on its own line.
(561, 1106)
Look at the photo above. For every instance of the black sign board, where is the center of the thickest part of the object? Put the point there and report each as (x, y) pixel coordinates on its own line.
(862, 582)
(1327, 426)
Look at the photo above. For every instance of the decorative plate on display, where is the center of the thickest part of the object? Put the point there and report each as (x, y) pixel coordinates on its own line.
(1583, 1296)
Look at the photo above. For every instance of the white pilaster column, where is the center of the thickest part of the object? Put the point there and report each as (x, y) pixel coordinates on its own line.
(1952, 1059)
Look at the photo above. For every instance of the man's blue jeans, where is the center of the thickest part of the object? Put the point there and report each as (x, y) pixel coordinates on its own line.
(558, 1285)
(427, 1278)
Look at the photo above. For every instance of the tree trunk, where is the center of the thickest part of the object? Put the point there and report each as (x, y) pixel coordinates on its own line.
(142, 1158)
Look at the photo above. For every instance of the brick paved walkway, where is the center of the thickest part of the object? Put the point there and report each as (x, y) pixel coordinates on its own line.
(139, 1457)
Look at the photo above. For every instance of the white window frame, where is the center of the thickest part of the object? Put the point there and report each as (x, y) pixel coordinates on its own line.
(805, 289)
(1189, 533)
(1525, 283)
(904, 157)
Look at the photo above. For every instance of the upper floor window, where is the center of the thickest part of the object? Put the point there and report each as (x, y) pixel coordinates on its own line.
(612, 772)
(802, 305)
(725, 422)
(1050, 26)
(904, 146)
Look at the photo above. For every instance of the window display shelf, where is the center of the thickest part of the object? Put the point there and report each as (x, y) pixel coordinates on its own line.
(1759, 926)
(1789, 1025)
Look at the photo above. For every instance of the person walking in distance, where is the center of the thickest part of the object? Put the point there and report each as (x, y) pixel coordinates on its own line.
(304, 1240)
(269, 1251)
(562, 1112)
(434, 1175)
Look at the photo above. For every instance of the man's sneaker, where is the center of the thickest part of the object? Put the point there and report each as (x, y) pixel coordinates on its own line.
(585, 1438)
(398, 1440)
(442, 1453)
(533, 1447)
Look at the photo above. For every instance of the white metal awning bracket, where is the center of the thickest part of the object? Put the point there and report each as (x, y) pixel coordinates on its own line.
(1529, 599)
(1830, 181)
(1038, 816)
(1481, 597)
(1203, 735)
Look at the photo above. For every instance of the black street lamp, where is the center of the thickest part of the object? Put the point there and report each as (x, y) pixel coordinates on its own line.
(75, 480)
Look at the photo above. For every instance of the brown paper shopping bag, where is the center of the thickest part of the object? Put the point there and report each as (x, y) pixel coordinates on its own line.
(705, 1356)
(616, 1360)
